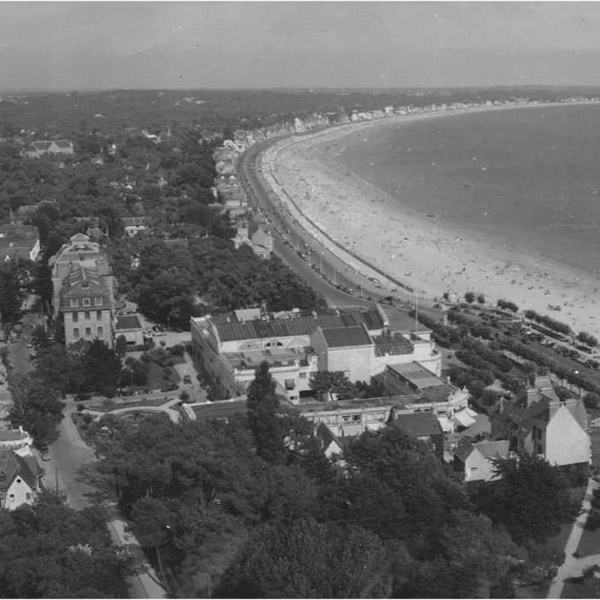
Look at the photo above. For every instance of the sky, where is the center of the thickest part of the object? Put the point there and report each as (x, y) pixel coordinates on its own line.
(188, 45)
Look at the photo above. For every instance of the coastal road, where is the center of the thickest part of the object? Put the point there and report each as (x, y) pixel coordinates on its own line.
(298, 248)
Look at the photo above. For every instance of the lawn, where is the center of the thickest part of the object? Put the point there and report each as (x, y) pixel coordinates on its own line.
(156, 374)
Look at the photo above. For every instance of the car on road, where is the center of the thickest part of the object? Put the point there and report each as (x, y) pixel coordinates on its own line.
(187, 379)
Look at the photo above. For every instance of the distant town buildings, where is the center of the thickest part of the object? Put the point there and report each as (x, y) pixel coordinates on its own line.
(52, 147)
(19, 242)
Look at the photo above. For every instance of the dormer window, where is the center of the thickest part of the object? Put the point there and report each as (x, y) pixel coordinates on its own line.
(98, 300)
(86, 302)
(74, 302)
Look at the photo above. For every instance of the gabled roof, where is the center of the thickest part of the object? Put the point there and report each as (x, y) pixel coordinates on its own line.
(419, 424)
(13, 465)
(492, 450)
(341, 337)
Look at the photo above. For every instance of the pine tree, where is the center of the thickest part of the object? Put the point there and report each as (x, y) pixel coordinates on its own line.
(262, 417)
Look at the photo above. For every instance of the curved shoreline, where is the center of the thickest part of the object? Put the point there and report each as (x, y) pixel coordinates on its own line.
(421, 253)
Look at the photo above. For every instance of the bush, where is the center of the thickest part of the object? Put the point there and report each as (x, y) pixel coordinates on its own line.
(470, 297)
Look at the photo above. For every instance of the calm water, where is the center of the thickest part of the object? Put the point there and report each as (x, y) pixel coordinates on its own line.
(530, 176)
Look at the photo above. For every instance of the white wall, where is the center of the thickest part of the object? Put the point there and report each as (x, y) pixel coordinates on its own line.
(18, 490)
(566, 442)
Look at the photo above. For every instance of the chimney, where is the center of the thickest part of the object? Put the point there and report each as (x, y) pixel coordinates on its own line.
(532, 396)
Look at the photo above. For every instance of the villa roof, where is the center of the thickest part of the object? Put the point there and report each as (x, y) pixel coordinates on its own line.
(11, 465)
(82, 281)
(13, 435)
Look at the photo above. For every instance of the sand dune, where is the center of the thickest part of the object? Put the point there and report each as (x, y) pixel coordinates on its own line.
(416, 249)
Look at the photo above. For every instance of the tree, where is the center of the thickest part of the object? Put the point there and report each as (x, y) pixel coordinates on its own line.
(102, 368)
(307, 559)
(12, 292)
(36, 408)
(51, 551)
(481, 298)
(470, 297)
(531, 499)
(327, 383)
(262, 417)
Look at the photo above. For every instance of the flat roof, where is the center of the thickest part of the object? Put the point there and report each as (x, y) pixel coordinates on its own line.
(418, 375)
(341, 337)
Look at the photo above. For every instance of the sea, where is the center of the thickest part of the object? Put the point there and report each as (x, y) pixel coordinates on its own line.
(528, 177)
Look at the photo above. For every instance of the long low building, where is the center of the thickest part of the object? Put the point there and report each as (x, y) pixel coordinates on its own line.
(359, 343)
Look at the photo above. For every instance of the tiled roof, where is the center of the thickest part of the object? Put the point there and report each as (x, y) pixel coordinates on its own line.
(489, 449)
(392, 344)
(419, 424)
(12, 435)
(81, 281)
(340, 337)
(371, 319)
(11, 465)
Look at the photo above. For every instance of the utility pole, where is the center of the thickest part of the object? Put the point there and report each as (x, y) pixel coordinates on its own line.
(56, 478)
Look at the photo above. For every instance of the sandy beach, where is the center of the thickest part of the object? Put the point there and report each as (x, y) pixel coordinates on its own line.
(413, 248)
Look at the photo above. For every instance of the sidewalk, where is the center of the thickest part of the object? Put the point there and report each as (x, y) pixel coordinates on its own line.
(573, 567)
(144, 583)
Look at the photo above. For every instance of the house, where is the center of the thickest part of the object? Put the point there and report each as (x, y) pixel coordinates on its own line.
(83, 290)
(79, 251)
(425, 392)
(19, 242)
(53, 147)
(476, 460)
(17, 440)
(133, 225)
(423, 427)
(86, 306)
(538, 423)
(19, 479)
(348, 418)
(130, 327)
(262, 243)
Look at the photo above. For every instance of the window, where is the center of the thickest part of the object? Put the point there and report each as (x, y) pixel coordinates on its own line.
(18, 480)
(75, 317)
(97, 300)
(74, 302)
(98, 315)
(290, 384)
(27, 496)
(100, 331)
(303, 375)
(356, 418)
(88, 331)
(86, 302)
(87, 315)
(76, 332)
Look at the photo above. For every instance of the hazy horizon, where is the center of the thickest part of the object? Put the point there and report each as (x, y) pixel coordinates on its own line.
(93, 46)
